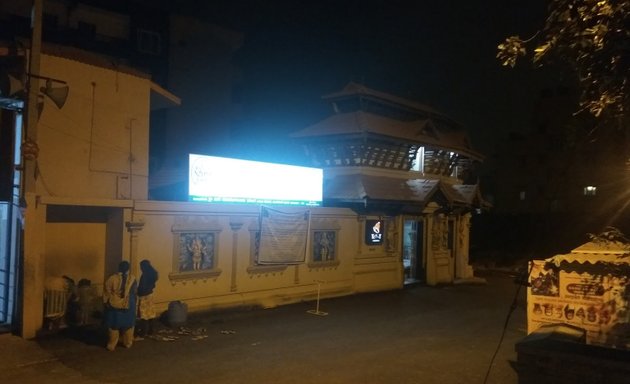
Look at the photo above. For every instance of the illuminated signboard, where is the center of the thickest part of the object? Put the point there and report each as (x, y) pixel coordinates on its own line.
(225, 180)
(374, 230)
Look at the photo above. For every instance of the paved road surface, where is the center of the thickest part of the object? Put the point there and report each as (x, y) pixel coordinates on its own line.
(417, 335)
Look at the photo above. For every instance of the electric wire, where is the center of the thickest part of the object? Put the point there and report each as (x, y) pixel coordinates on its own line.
(38, 172)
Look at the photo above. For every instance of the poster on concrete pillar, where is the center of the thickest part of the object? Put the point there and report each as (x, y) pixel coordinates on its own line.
(282, 236)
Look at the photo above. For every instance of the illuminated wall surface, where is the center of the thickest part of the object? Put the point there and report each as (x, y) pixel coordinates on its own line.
(224, 180)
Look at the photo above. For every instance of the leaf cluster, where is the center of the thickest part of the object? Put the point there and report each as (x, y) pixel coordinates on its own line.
(593, 38)
(609, 235)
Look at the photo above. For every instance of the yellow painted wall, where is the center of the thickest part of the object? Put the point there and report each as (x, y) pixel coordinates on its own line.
(379, 267)
(236, 280)
(240, 282)
(90, 146)
(76, 250)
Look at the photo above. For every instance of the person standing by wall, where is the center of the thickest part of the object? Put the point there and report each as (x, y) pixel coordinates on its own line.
(119, 298)
(146, 307)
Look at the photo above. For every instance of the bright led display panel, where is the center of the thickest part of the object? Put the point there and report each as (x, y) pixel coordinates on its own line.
(225, 180)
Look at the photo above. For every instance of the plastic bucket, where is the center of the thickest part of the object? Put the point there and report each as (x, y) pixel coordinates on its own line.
(177, 313)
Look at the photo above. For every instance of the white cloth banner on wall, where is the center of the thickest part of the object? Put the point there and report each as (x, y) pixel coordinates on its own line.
(282, 236)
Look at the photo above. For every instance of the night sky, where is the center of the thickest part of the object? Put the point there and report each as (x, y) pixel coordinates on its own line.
(439, 52)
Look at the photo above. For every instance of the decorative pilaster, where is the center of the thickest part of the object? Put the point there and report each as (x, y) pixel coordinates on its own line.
(427, 215)
(360, 228)
(464, 270)
(296, 279)
(133, 227)
(431, 246)
(235, 226)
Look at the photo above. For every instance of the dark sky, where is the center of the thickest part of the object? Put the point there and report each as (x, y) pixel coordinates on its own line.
(439, 52)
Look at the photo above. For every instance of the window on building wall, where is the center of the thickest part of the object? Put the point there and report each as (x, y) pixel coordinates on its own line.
(590, 190)
(149, 42)
(521, 195)
(418, 163)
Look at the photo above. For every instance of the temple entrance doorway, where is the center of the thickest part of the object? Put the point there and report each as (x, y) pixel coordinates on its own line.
(414, 255)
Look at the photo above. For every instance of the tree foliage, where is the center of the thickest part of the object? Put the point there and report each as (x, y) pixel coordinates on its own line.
(609, 235)
(593, 38)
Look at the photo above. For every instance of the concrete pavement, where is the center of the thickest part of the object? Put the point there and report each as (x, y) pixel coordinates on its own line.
(25, 361)
(421, 334)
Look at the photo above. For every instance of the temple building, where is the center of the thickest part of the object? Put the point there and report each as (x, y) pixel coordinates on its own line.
(387, 156)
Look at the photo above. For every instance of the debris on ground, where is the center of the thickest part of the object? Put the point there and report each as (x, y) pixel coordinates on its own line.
(172, 335)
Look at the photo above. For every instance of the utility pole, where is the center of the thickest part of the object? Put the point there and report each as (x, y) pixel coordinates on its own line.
(32, 282)
(30, 166)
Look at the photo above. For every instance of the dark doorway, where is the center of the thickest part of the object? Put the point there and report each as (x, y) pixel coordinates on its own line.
(414, 261)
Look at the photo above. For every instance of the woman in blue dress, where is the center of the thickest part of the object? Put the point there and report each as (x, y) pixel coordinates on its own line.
(119, 298)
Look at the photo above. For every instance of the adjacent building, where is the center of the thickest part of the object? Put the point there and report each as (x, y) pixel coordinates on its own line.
(565, 177)
(387, 156)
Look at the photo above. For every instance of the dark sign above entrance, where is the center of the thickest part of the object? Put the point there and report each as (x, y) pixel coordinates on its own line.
(374, 230)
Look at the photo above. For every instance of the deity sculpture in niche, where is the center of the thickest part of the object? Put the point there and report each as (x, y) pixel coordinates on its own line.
(464, 229)
(392, 234)
(440, 232)
(324, 246)
(196, 251)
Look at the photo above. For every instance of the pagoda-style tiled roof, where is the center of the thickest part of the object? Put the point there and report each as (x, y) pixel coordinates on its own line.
(359, 188)
(468, 193)
(353, 89)
(383, 153)
(360, 123)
